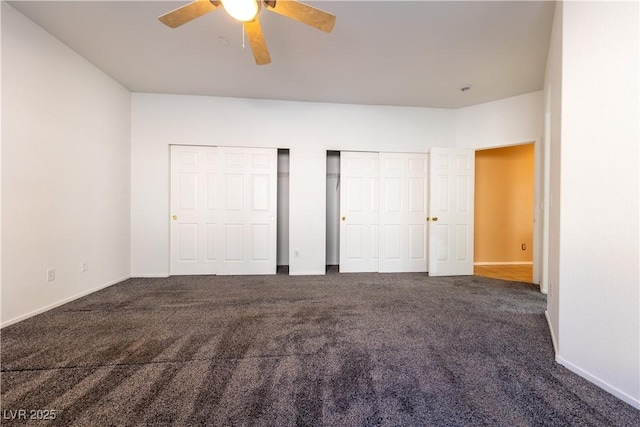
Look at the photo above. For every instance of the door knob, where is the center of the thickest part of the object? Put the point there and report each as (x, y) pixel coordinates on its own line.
(428, 219)
(435, 218)
(344, 218)
(175, 217)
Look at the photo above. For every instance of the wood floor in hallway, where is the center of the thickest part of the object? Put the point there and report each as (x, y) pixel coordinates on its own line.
(516, 273)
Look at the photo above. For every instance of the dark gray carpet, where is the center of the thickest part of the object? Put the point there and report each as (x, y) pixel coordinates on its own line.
(334, 350)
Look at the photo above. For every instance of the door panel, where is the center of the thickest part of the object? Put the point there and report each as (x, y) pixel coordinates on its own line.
(392, 248)
(233, 239)
(212, 243)
(248, 210)
(359, 212)
(260, 192)
(417, 242)
(403, 211)
(188, 242)
(233, 191)
(194, 173)
(451, 211)
(260, 242)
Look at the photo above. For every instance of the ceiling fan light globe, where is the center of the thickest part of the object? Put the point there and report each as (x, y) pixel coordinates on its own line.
(242, 10)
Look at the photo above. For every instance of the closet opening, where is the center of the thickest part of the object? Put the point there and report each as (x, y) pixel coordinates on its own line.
(282, 233)
(333, 212)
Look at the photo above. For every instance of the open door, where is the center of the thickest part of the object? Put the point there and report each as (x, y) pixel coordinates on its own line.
(451, 198)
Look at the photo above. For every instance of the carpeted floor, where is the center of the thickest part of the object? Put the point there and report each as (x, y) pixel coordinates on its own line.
(334, 350)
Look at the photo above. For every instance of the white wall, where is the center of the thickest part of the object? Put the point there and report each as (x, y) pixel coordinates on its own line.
(599, 287)
(551, 174)
(308, 130)
(508, 121)
(65, 172)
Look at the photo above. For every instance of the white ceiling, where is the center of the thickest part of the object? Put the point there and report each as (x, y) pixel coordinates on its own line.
(411, 53)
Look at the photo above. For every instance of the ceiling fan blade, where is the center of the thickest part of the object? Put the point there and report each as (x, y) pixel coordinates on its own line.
(257, 42)
(303, 13)
(187, 13)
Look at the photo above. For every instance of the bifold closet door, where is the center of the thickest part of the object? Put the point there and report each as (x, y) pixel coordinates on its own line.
(403, 179)
(223, 207)
(247, 212)
(359, 212)
(194, 210)
(383, 204)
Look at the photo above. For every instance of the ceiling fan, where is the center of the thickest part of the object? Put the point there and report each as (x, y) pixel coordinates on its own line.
(247, 12)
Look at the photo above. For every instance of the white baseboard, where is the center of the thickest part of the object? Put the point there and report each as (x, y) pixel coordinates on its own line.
(149, 276)
(633, 401)
(61, 302)
(504, 263)
(553, 335)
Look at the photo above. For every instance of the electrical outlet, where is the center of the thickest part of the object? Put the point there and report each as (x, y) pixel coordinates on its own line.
(84, 266)
(51, 275)
(524, 246)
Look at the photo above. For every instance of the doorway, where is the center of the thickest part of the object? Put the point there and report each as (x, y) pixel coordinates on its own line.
(333, 211)
(282, 244)
(504, 212)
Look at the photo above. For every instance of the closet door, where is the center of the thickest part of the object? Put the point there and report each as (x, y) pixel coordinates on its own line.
(248, 207)
(358, 212)
(452, 181)
(403, 212)
(194, 210)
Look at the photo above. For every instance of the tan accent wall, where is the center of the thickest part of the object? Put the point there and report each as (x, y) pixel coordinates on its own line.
(504, 204)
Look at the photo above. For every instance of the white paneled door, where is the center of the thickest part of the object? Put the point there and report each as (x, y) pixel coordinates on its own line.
(194, 210)
(223, 206)
(451, 211)
(359, 212)
(383, 205)
(403, 179)
(247, 213)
